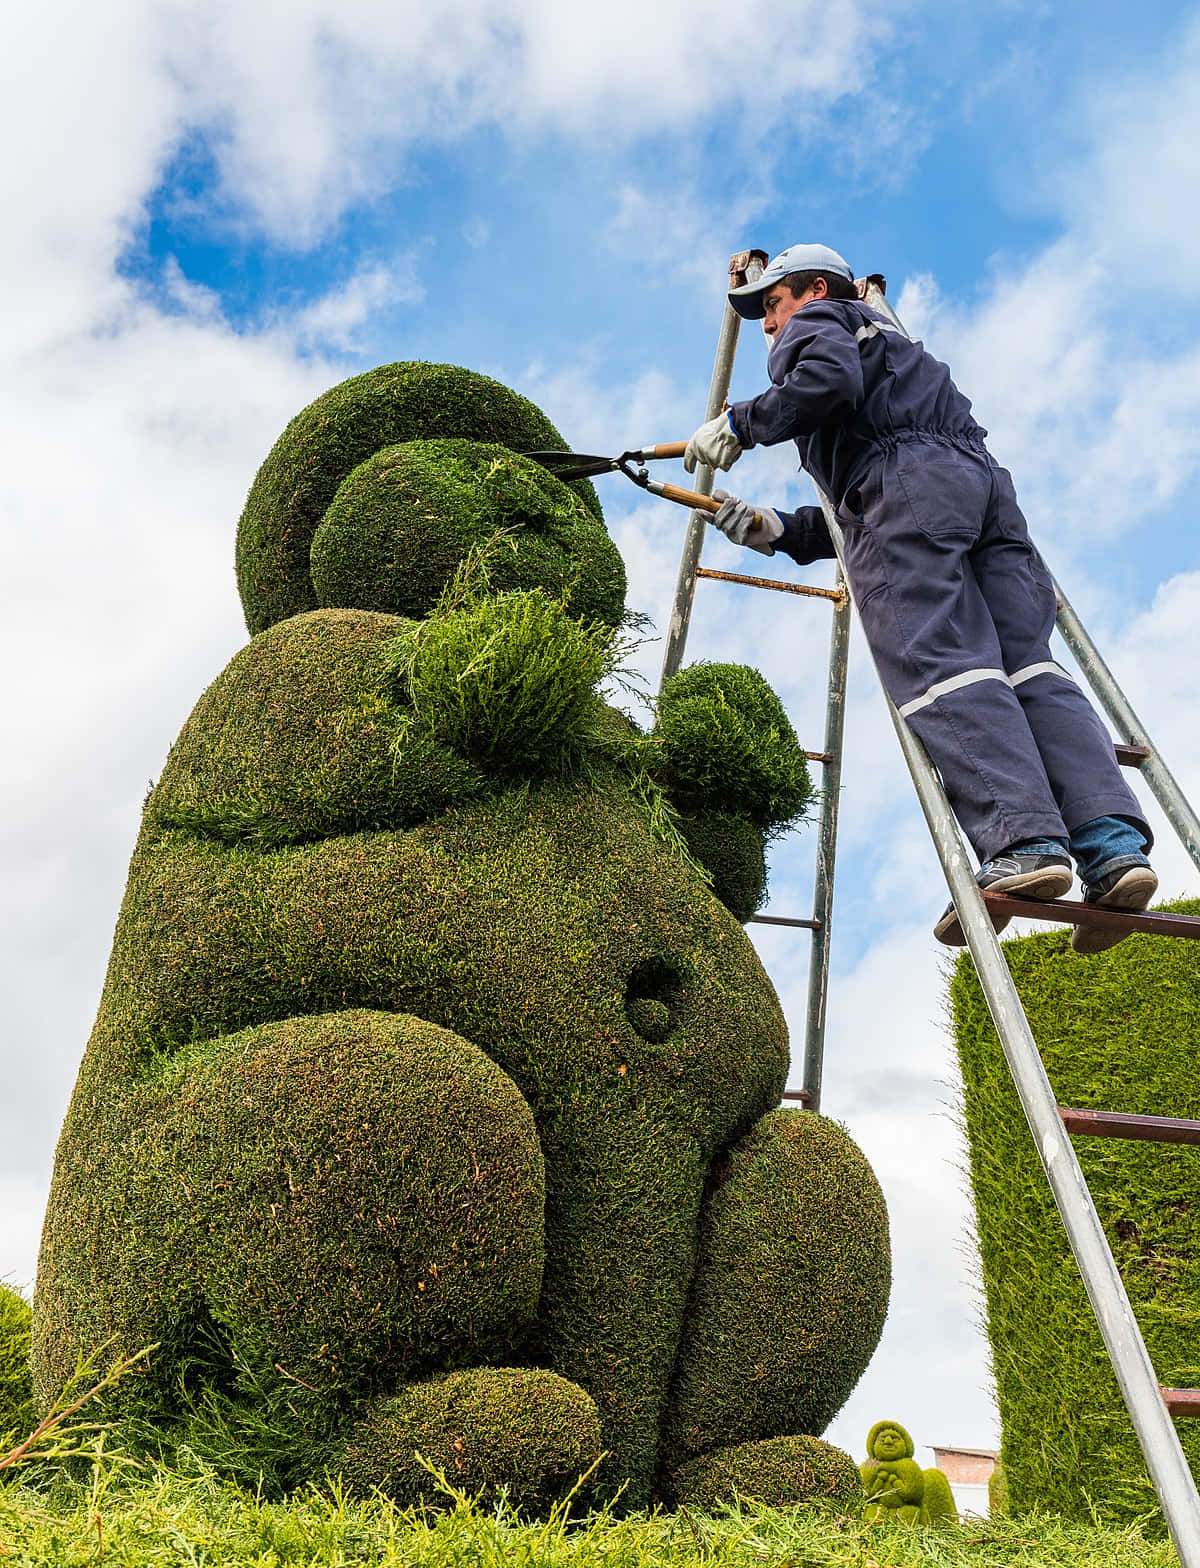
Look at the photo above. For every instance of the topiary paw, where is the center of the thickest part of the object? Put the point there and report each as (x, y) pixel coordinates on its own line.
(780, 1472)
(526, 1430)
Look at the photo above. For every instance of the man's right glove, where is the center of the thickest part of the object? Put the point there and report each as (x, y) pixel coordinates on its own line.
(715, 443)
(755, 527)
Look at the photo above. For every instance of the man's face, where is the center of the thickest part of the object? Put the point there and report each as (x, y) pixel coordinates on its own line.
(781, 304)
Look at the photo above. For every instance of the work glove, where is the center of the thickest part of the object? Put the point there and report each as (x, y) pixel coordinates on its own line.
(755, 527)
(715, 443)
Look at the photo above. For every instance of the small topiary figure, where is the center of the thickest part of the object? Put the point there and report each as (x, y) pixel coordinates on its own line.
(895, 1486)
(431, 1102)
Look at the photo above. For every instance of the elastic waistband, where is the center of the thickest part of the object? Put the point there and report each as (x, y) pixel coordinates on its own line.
(965, 440)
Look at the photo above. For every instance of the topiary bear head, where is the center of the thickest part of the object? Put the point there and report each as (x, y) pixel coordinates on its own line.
(403, 491)
(376, 493)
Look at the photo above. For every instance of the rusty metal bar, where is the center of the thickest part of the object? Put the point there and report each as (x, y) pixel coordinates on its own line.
(1181, 1401)
(837, 595)
(819, 756)
(746, 267)
(1070, 912)
(1126, 1124)
(1131, 756)
(796, 1094)
(781, 920)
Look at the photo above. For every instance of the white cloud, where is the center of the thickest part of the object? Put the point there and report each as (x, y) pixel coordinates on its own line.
(314, 106)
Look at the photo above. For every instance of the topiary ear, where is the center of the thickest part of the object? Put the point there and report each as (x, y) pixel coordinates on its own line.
(726, 745)
(407, 401)
(731, 764)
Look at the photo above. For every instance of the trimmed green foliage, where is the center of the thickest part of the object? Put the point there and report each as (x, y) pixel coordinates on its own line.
(733, 851)
(323, 445)
(1115, 1032)
(938, 1506)
(295, 741)
(529, 1433)
(998, 1502)
(423, 1034)
(402, 522)
(519, 925)
(792, 1288)
(729, 746)
(780, 1472)
(17, 1413)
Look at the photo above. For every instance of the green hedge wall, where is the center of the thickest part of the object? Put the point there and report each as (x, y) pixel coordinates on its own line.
(1119, 1031)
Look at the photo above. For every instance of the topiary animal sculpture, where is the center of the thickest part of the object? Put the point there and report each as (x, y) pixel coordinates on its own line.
(430, 1102)
(895, 1486)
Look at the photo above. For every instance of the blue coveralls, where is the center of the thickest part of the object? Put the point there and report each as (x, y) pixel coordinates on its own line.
(955, 600)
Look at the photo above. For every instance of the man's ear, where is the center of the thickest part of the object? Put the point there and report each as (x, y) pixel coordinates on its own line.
(820, 289)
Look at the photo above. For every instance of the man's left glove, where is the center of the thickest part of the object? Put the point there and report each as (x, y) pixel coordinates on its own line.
(755, 527)
(715, 443)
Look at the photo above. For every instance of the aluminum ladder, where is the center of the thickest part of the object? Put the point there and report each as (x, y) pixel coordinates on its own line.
(1151, 1407)
(746, 266)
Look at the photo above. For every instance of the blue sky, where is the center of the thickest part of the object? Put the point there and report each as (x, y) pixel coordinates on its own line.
(221, 210)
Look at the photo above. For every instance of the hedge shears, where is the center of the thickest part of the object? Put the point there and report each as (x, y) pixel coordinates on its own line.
(578, 465)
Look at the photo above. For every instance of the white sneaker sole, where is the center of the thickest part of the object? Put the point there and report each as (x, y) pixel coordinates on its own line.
(1048, 883)
(1132, 893)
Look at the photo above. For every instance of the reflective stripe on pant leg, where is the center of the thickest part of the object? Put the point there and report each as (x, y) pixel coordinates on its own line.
(952, 683)
(1073, 741)
(923, 613)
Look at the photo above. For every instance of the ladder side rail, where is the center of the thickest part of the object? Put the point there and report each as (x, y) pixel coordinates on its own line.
(827, 824)
(1129, 727)
(693, 543)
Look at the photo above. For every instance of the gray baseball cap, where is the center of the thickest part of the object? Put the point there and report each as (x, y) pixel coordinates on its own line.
(748, 300)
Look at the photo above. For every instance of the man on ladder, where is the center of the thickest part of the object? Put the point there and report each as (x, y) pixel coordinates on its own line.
(954, 598)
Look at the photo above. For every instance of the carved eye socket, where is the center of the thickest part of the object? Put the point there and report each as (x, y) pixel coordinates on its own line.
(651, 994)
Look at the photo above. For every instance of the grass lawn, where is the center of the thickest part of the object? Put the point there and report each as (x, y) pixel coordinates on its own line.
(159, 1518)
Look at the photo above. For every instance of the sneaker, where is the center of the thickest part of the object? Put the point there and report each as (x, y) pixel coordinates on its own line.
(1029, 876)
(1124, 884)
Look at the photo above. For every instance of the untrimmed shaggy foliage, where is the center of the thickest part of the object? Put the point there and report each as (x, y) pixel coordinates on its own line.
(1117, 1032)
(508, 682)
(184, 1515)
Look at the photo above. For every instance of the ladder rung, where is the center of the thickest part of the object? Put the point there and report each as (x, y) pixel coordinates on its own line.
(1074, 913)
(781, 920)
(1131, 756)
(767, 582)
(797, 1094)
(819, 756)
(1124, 1124)
(1181, 1401)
